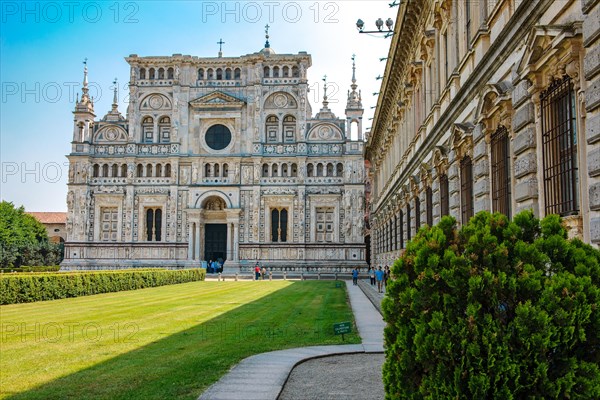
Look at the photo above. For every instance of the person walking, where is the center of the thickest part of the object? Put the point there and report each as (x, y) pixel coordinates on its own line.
(372, 275)
(379, 277)
(263, 273)
(355, 276)
(256, 271)
(386, 275)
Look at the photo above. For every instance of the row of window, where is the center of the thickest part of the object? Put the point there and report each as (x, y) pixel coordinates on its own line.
(324, 169)
(281, 72)
(120, 170)
(216, 170)
(279, 170)
(156, 73)
(219, 74)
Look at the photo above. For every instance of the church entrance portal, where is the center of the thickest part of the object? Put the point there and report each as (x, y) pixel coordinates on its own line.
(215, 242)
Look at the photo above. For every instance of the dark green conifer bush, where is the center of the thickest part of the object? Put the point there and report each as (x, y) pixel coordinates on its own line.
(495, 310)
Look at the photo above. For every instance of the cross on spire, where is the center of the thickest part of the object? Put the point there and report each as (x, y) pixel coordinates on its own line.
(325, 90)
(220, 43)
(115, 101)
(267, 44)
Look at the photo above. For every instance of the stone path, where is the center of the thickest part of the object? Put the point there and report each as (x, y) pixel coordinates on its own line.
(247, 379)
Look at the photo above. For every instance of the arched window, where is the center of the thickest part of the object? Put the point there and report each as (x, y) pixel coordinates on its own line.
(228, 74)
(286, 71)
(429, 205)
(152, 74)
(284, 170)
(294, 170)
(140, 171)
(210, 74)
(201, 74)
(408, 233)
(289, 128)
(310, 170)
(96, 171)
(114, 171)
(319, 169)
(417, 213)
(501, 186)
(149, 170)
(164, 129)
(105, 170)
(225, 170)
(207, 170)
(142, 73)
(158, 172)
(237, 74)
(272, 128)
(161, 73)
(265, 170)
(330, 169)
(170, 74)
(219, 74)
(275, 72)
(123, 170)
(295, 71)
(267, 72)
(339, 169)
(168, 170)
(148, 130)
(217, 171)
(275, 169)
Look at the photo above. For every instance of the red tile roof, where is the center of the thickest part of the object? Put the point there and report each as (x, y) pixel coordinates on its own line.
(50, 217)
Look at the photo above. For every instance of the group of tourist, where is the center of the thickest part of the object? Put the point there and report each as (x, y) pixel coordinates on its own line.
(377, 276)
(259, 273)
(213, 266)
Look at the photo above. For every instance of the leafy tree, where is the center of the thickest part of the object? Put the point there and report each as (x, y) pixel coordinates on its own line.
(23, 239)
(495, 310)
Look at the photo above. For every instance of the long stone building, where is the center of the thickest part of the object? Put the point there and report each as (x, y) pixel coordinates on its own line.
(487, 105)
(217, 158)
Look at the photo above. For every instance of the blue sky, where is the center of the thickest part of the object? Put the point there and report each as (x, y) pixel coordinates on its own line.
(43, 44)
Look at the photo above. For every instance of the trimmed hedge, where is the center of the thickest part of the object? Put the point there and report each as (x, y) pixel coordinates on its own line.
(497, 309)
(52, 286)
(52, 268)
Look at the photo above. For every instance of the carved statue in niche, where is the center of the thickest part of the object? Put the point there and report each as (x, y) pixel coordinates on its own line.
(347, 201)
(72, 168)
(257, 173)
(70, 200)
(348, 226)
(360, 226)
(236, 173)
(130, 169)
(247, 174)
(195, 174)
(184, 176)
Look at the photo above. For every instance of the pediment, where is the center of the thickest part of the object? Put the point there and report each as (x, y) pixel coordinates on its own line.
(110, 133)
(325, 132)
(541, 40)
(217, 99)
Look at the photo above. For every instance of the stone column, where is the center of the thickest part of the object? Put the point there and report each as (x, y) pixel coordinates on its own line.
(197, 242)
(236, 242)
(191, 241)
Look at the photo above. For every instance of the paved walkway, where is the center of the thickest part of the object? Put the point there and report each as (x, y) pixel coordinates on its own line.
(247, 379)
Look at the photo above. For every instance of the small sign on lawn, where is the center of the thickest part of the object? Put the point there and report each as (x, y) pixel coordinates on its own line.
(342, 328)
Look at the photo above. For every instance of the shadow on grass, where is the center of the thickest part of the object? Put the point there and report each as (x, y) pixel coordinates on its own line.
(183, 365)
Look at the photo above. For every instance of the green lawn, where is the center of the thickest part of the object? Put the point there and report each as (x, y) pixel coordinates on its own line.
(166, 342)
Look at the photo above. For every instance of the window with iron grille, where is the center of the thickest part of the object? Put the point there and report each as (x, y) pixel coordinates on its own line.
(429, 205)
(559, 147)
(408, 222)
(396, 232)
(417, 213)
(466, 189)
(401, 225)
(444, 195)
(501, 171)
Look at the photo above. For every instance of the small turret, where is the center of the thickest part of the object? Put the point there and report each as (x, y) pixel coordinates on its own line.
(84, 112)
(354, 108)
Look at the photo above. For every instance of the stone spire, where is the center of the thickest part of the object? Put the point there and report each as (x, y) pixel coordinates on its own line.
(85, 104)
(354, 99)
(325, 112)
(114, 114)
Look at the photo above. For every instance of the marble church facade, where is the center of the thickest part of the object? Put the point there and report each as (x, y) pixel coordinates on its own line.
(487, 105)
(217, 158)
